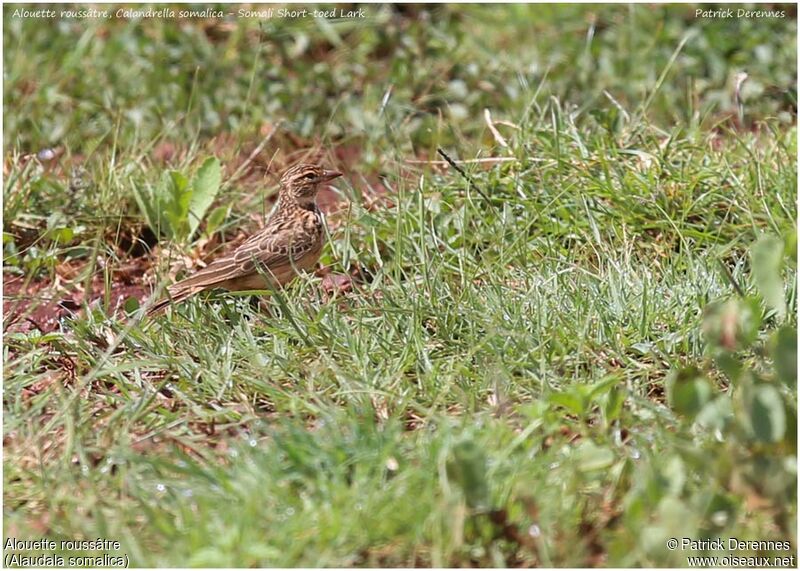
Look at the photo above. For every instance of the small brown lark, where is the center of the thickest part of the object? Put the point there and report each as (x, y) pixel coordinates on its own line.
(291, 240)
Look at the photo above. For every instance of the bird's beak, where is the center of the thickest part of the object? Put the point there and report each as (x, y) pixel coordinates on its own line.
(329, 175)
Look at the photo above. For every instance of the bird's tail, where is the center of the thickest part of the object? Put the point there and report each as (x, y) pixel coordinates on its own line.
(175, 296)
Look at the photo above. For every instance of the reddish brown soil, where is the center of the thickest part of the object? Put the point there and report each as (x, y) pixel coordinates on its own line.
(40, 305)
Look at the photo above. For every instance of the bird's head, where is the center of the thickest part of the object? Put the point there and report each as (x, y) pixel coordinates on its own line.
(300, 183)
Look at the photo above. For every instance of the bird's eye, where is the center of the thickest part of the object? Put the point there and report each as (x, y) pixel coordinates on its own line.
(309, 176)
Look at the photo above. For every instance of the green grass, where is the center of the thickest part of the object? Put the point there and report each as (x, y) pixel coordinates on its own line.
(509, 382)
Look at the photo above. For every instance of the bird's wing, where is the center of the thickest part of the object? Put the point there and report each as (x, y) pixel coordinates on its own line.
(269, 248)
(282, 246)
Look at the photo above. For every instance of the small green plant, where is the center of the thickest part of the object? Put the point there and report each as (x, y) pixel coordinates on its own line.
(582, 399)
(751, 342)
(175, 207)
(747, 433)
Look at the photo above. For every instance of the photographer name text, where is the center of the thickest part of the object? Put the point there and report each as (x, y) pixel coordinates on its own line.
(738, 13)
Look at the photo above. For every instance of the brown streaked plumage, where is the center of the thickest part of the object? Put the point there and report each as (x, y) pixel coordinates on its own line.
(290, 241)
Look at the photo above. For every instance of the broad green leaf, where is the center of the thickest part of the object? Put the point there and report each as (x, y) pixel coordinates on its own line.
(592, 457)
(181, 193)
(569, 400)
(730, 364)
(173, 198)
(205, 186)
(148, 205)
(467, 467)
(131, 305)
(783, 346)
(717, 413)
(766, 257)
(790, 247)
(63, 234)
(613, 405)
(688, 391)
(791, 426)
(216, 218)
(767, 414)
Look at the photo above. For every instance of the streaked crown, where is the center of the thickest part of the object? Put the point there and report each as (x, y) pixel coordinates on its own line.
(301, 172)
(303, 180)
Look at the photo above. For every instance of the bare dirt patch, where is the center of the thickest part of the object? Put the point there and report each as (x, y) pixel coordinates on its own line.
(42, 304)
